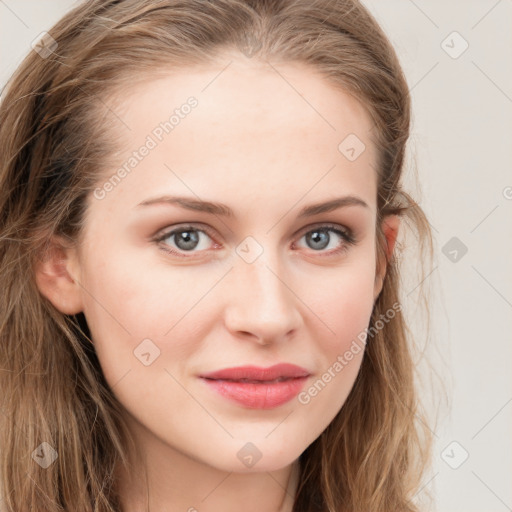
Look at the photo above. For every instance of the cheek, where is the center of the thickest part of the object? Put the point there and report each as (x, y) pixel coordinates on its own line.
(146, 317)
(342, 300)
(133, 312)
(343, 304)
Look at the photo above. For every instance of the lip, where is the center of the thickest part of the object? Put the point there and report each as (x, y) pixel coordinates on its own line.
(256, 387)
(258, 373)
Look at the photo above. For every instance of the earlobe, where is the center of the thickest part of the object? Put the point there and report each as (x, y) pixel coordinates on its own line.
(55, 278)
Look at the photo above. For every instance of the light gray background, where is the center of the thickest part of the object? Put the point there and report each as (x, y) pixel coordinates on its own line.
(461, 146)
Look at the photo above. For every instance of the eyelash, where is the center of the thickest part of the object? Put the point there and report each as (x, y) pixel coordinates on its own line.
(347, 236)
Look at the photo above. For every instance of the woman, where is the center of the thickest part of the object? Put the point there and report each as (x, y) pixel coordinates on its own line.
(200, 204)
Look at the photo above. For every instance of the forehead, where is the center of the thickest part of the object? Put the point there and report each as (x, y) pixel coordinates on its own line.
(274, 132)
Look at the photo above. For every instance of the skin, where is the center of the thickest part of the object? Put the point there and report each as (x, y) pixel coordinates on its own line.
(257, 145)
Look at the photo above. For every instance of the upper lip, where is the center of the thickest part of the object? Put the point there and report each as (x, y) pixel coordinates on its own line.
(283, 370)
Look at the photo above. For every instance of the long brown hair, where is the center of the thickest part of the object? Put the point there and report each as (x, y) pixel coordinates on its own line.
(55, 142)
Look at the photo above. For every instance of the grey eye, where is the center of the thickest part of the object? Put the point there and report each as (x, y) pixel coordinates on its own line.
(319, 238)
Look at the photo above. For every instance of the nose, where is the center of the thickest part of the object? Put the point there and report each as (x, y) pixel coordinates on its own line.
(262, 305)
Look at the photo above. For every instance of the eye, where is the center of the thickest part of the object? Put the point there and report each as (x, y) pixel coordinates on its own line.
(185, 239)
(321, 238)
(189, 238)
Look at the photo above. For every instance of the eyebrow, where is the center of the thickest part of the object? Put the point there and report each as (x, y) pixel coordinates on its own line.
(221, 209)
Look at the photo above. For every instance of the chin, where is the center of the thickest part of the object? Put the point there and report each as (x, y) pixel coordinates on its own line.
(255, 457)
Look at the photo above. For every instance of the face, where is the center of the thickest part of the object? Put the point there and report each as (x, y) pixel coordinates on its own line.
(175, 290)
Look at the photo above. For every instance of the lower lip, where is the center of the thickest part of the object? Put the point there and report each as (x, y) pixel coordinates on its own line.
(258, 396)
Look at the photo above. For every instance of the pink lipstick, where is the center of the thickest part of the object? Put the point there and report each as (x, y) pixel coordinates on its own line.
(258, 388)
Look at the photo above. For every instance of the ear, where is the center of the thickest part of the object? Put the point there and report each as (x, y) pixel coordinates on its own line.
(390, 226)
(56, 276)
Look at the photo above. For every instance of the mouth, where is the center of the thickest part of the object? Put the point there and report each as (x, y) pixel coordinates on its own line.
(253, 381)
(277, 372)
(258, 388)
